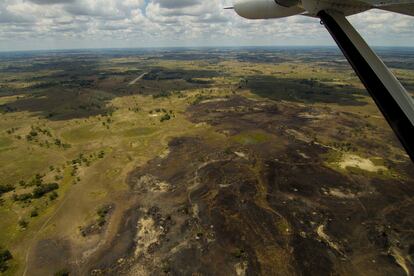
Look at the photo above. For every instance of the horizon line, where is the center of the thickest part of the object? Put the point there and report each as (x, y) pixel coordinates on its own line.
(190, 47)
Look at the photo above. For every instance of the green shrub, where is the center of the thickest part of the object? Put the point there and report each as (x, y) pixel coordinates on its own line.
(6, 188)
(5, 256)
(23, 223)
(165, 117)
(58, 142)
(43, 189)
(23, 197)
(104, 210)
(239, 253)
(37, 180)
(33, 133)
(53, 196)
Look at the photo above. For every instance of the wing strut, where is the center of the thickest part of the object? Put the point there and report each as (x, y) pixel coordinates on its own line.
(390, 96)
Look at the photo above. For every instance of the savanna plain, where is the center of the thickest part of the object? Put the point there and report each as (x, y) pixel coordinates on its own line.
(227, 161)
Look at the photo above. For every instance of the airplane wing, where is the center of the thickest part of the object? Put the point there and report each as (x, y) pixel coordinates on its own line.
(407, 9)
(386, 2)
(399, 6)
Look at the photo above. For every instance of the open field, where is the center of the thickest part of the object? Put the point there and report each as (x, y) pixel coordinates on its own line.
(210, 161)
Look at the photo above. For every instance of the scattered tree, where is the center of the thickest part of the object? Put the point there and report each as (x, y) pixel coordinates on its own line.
(5, 256)
(34, 213)
(6, 188)
(26, 197)
(23, 223)
(165, 117)
(53, 195)
(41, 190)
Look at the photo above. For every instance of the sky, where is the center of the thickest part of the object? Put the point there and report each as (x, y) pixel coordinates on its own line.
(69, 24)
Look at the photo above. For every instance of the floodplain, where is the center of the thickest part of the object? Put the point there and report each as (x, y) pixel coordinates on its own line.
(230, 161)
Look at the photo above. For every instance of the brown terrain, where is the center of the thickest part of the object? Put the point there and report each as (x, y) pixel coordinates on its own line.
(255, 198)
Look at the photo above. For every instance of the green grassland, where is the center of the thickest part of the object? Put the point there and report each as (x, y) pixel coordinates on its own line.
(83, 127)
(251, 137)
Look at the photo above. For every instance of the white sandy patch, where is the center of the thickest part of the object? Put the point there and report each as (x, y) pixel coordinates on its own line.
(214, 100)
(355, 161)
(151, 183)
(241, 269)
(147, 234)
(224, 185)
(165, 153)
(201, 124)
(321, 233)
(340, 194)
(241, 154)
(401, 261)
(303, 155)
(9, 99)
(298, 135)
(139, 270)
(195, 210)
(313, 116)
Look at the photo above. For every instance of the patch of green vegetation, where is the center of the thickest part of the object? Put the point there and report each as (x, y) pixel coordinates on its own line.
(344, 146)
(36, 180)
(62, 272)
(166, 267)
(44, 138)
(102, 213)
(201, 98)
(283, 226)
(251, 138)
(139, 131)
(163, 94)
(305, 91)
(134, 109)
(240, 253)
(43, 189)
(378, 161)
(5, 142)
(53, 195)
(82, 134)
(20, 164)
(332, 157)
(25, 197)
(39, 191)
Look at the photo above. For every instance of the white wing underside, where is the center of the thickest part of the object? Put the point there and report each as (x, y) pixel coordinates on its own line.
(398, 6)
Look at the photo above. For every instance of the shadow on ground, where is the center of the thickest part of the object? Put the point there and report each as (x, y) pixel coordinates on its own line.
(305, 91)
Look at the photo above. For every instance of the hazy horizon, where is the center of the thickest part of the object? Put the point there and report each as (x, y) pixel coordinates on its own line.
(80, 24)
(149, 48)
